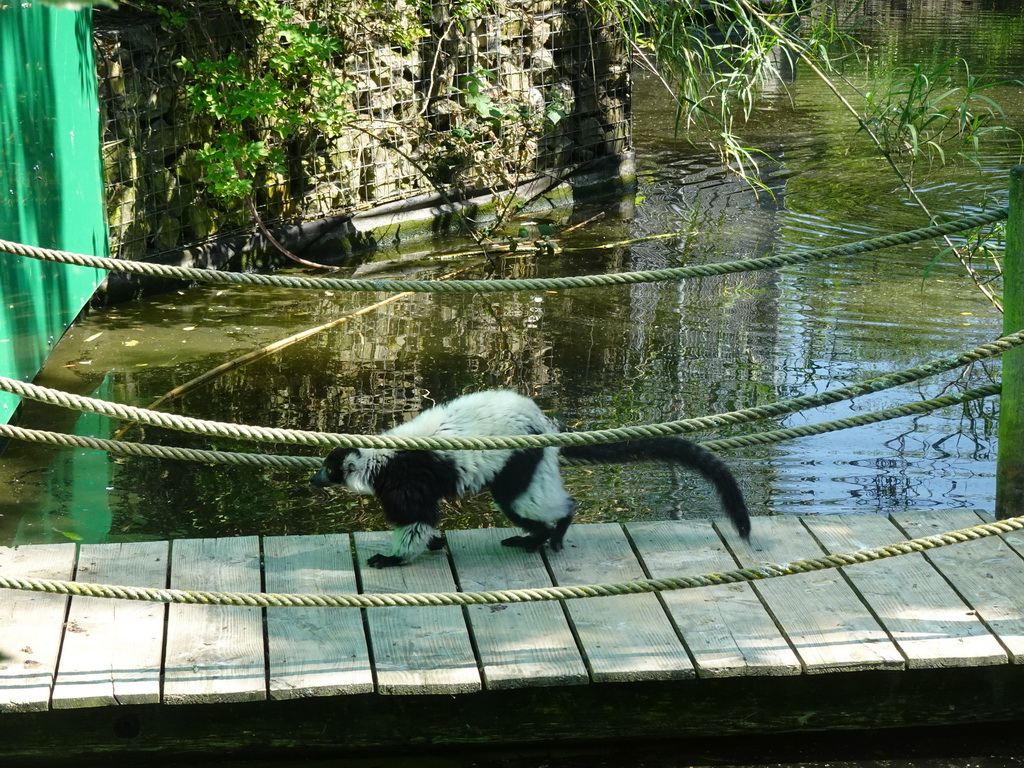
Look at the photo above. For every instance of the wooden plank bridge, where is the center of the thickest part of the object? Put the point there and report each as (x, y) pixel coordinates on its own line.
(917, 639)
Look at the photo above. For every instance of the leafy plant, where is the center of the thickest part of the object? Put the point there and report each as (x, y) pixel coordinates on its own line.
(500, 137)
(926, 114)
(291, 82)
(475, 93)
(291, 86)
(232, 163)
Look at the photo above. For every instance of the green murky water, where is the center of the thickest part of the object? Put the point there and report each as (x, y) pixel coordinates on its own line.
(597, 357)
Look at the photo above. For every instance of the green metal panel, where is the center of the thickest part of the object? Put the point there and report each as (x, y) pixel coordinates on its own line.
(51, 195)
(51, 179)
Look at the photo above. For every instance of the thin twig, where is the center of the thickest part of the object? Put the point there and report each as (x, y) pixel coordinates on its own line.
(276, 244)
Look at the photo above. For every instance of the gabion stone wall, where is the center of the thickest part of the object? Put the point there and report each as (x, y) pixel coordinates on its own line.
(414, 113)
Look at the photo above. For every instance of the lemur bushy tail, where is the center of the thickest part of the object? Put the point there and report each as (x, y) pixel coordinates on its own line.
(673, 450)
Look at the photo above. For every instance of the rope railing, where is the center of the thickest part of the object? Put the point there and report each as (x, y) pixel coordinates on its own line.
(303, 437)
(494, 597)
(148, 450)
(217, 277)
(506, 442)
(874, 417)
(280, 461)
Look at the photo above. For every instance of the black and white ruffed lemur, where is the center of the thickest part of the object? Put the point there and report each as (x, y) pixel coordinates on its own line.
(526, 483)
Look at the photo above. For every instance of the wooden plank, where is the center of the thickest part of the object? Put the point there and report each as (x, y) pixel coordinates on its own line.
(526, 644)
(113, 648)
(314, 651)
(418, 649)
(987, 573)
(924, 616)
(727, 629)
(824, 620)
(31, 624)
(626, 637)
(215, 653)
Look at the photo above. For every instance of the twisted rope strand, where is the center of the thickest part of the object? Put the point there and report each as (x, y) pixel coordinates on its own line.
(496, 286)
(509, 442)
(124, 448)
(860, 420)
(494, 597)
(307, 462)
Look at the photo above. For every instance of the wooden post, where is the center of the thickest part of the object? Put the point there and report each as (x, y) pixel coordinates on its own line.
(1010, 463)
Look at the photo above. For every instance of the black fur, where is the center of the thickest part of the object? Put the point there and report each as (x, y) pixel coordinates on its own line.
(538, 532)
(412, 488)
(673, 450)
(515, 477)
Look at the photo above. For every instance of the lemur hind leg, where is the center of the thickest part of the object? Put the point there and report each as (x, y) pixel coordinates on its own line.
(510, 485)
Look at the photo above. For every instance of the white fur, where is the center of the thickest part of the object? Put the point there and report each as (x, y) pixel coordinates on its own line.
(481, 414)
(407, 541)
(526, 483)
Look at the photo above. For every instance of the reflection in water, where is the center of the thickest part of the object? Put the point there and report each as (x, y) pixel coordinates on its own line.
(602, 357)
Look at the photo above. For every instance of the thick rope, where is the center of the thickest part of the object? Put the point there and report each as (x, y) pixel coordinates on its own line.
(328, 439)
(124, 448)
(860, 420)
(279, 461)
(493, 597)
(496, 286)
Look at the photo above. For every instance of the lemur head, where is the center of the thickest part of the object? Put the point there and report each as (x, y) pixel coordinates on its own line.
(338, 467)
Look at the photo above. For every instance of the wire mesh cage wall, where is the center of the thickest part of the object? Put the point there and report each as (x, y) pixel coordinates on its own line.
(310, 110)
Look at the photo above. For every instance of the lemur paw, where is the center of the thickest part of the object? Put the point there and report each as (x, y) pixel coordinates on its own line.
(523, 542)
(436, 543)
(384, 561)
